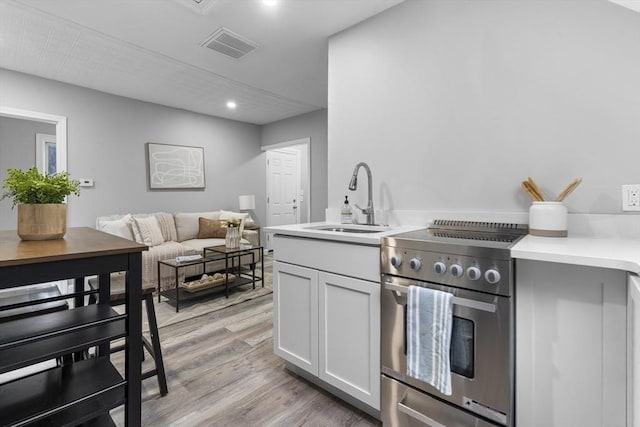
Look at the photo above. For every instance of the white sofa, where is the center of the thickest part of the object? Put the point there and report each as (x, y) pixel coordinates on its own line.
(171, 235)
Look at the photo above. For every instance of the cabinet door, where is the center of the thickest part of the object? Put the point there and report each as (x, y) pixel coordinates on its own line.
(295, 315)
(571, 361)
(633, 378)
(350, 336)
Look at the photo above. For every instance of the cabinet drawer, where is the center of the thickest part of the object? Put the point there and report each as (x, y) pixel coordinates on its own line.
(362, 261)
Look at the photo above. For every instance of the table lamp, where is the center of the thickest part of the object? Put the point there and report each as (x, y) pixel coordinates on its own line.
(247, 202)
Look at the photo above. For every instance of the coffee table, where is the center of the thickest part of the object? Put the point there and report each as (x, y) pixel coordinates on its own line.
(231, 254)
(215, 253)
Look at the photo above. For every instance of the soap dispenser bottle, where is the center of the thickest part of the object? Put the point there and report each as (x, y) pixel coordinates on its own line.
(346, 216)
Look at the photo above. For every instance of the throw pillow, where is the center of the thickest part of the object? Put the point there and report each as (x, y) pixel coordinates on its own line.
(210, 229)
(149, 229)
(167, 226)
(118, 227)
(245, 217)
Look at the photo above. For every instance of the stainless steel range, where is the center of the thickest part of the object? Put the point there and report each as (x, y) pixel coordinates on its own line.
(472, 261)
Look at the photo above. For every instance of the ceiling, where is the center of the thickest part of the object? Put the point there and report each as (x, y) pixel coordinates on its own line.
(151, 50)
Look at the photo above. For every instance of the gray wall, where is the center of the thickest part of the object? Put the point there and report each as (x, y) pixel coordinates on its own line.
(313, 125)
(453, 103)
(106, 142)
(18, 151)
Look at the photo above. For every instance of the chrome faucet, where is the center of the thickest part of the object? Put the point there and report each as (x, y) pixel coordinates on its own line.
(353, 184)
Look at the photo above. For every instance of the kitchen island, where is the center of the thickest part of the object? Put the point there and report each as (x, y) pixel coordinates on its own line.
(577, 327)
(327, 307)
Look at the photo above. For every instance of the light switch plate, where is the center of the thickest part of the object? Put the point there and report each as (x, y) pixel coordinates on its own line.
(86, 182)
(631, 197)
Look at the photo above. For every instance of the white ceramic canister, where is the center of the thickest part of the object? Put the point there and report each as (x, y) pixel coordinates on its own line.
(548, 219)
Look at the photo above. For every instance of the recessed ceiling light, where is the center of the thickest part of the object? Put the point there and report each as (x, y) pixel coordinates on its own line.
(270, 2)
(231, 105)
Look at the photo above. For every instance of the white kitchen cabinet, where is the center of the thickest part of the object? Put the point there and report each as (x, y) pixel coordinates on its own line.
(571, 351)
(633, 339)
(326, 322)
(295, 315)
(350, 336)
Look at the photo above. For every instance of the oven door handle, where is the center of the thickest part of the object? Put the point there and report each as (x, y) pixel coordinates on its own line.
(419, 416)
(464, 302)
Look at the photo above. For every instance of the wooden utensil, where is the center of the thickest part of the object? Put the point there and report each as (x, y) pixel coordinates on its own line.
(568, 189)
(529, 191)
(536, 189)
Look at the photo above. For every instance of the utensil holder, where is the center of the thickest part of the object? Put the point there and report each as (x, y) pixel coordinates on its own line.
(548, 219)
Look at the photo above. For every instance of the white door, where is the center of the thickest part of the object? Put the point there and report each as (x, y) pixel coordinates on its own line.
(283, 187)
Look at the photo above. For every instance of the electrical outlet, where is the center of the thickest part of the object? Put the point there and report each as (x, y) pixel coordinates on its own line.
(631, 197)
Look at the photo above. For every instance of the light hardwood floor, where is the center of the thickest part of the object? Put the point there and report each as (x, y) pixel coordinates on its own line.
(221, 371)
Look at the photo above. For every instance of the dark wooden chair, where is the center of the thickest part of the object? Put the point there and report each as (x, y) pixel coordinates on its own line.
(117, 297)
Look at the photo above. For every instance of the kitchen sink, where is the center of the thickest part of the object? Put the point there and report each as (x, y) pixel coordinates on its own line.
(362, 229)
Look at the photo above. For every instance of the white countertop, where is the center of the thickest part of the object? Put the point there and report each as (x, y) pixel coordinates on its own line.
(615, 253)
(309, 230)
(606, 250)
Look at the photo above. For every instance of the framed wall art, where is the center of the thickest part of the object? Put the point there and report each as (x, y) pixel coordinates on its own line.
(175, 166)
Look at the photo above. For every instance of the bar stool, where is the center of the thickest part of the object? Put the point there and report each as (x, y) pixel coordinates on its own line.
(117, 297)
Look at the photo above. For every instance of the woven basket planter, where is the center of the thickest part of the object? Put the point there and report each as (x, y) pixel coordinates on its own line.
(42, 221)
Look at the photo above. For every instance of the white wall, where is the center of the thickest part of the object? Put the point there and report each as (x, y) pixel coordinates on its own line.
(453, 103)
(106, 142)
(310, 125)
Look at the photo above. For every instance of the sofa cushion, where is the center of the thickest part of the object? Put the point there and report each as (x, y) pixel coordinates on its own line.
(118, 226)
(200, 244)
(210, 228)
(248, 220)
(136, 231)
(245, 217)
(187, 225)
(149, 230)
(167, 226)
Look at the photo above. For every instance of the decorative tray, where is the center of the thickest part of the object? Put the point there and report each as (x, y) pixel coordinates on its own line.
(206, 282)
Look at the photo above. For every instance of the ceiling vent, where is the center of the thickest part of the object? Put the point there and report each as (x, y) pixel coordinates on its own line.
(200, 6)
(229, 43)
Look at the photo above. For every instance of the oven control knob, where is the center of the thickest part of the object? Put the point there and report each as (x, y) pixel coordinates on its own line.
(415, 264)
(457, 270)
(396, 261)
(492, 276)
(440, 267)
(474, 273)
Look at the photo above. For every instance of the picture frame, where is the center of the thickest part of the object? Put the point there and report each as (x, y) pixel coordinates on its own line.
(175, 166)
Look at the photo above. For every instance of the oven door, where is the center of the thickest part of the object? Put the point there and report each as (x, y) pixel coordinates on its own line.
(481, 347)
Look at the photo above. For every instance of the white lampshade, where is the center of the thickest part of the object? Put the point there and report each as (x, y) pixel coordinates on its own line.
(247, 202)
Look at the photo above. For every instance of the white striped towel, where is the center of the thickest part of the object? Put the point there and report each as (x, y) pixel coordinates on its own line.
(429, 321)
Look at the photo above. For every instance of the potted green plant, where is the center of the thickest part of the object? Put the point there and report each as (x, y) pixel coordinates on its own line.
(42, 213)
